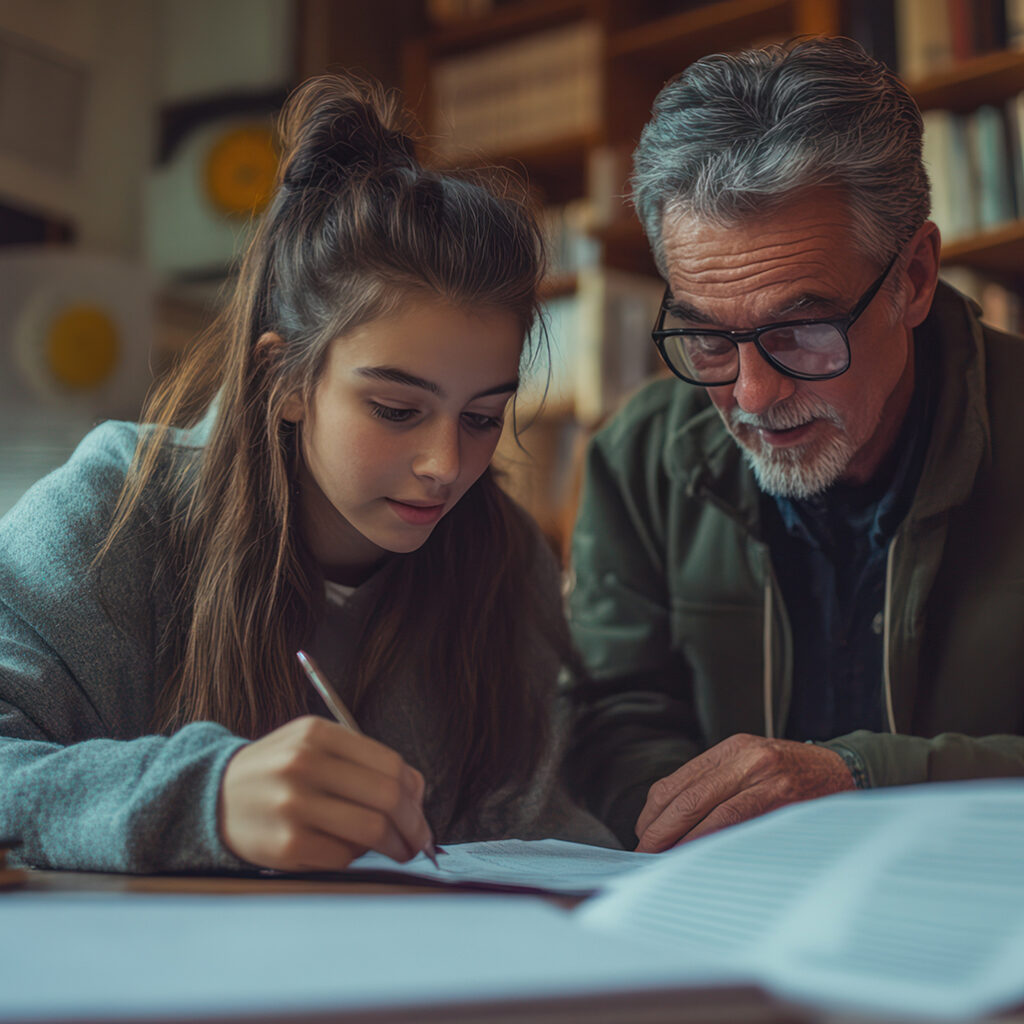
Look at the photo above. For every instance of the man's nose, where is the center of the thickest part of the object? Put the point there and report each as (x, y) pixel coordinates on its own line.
(439, 457)
(759, 385)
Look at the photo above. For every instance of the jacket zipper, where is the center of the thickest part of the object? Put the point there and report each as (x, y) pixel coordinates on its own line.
(886, 636)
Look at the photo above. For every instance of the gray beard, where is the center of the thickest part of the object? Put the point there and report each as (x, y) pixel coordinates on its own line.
(804, 470)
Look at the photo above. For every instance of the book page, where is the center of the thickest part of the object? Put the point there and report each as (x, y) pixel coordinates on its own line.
(905, 900)
(545, 865)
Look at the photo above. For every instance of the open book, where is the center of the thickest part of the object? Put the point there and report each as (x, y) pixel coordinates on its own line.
(900, 902)
(905, 900)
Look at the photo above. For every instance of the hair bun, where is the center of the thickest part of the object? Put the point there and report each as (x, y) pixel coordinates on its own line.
(334, 125)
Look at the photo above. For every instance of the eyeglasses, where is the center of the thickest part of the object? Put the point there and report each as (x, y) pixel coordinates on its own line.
(804, 349)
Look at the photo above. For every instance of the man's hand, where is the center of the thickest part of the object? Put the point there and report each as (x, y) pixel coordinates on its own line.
(739, 778)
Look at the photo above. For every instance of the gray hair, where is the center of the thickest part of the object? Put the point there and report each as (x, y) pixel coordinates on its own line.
(738, 135)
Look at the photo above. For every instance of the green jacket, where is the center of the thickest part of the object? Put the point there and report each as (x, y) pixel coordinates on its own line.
(680, 621)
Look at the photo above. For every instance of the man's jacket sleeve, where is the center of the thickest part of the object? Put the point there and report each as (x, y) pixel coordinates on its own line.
(901, 760)
(635, 720)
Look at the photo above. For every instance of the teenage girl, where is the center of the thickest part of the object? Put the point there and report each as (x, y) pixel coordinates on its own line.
(315, 477)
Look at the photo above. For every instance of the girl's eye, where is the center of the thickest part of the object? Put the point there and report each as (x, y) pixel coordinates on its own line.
(477, 421)
(390, 413)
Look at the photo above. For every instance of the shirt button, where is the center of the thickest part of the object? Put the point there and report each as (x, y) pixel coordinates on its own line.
(878, 624)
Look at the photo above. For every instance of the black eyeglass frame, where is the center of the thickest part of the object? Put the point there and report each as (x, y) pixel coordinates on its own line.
(841, 324)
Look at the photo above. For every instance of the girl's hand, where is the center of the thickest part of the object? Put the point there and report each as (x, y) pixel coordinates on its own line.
(313, 796)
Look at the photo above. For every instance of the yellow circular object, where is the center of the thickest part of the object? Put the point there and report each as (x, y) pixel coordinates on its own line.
(82, 347)
(240, 170)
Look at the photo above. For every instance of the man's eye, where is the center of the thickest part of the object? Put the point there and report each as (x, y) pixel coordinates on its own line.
(477, 421)
(390, 413)
(712, 346)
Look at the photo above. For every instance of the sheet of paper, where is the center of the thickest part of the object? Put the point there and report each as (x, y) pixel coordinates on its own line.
(115, 956)
(906, 901)
(546, 865)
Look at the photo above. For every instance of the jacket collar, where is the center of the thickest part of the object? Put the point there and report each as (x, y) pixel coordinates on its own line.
(703, 456)
(961, 438)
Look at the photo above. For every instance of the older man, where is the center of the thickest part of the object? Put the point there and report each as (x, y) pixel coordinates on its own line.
(799, 562)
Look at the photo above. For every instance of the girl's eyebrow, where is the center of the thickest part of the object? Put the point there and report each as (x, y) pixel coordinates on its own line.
(393, 375)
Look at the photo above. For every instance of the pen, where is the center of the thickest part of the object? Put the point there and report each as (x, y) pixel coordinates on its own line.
(342, 716)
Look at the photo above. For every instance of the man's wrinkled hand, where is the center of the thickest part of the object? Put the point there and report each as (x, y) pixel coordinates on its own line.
(740, 778)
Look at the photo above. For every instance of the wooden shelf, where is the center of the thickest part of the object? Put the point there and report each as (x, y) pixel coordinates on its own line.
(506, 23)
(555, 169)
(679, 38)
(990, 78)
(999, 252)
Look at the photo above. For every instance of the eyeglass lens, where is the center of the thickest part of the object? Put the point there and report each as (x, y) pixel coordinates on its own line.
(811, 350)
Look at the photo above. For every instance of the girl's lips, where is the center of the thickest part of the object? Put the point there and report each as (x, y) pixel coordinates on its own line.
(417, 515)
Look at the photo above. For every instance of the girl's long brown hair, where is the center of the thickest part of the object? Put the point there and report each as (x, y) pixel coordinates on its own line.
(356, 227)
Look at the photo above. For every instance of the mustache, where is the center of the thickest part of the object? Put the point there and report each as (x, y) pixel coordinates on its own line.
(794, 412)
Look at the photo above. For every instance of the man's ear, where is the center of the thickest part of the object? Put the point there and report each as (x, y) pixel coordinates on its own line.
(922, 273)
(268, 351)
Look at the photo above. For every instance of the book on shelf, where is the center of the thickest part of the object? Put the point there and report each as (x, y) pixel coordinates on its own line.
(934, 34)
(615, 351)
(925, 38)
(599, 343)
(976, 166)
(568, 238)
(1015, 24)
(537, 89)
(608, 172)
(873, 24)
(551, 372)
(995, 187)
(936, 151)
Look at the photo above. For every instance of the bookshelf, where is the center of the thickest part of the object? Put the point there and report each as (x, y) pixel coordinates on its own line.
(640, 45)
(962, 88)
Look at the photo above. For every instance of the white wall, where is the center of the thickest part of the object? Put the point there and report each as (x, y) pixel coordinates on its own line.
(226, 45)
(137, 55)
(114, 41)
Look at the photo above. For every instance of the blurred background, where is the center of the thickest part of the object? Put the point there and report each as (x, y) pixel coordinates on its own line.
(137, 149)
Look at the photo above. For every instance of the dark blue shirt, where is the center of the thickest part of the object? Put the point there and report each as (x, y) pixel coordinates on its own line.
(829, 554)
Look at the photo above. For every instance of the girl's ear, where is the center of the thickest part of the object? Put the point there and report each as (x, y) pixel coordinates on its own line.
(267, 352)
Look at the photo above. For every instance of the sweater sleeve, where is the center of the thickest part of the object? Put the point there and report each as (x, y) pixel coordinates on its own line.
(86, 785)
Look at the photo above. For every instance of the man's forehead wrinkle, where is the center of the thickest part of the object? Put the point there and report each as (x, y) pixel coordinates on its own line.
(751, 257)
(804, 280)
(771, 288)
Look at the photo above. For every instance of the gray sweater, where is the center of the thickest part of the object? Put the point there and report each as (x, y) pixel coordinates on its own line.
(84, 782)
